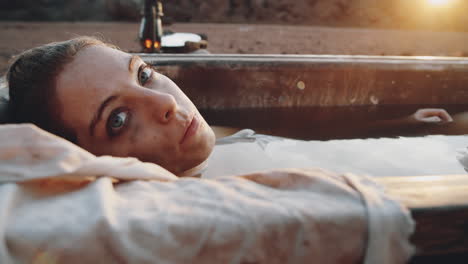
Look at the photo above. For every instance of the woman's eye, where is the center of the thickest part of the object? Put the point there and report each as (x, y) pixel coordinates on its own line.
(117, 121)
(144, 74)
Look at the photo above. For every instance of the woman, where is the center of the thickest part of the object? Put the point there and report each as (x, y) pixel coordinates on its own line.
(108, 102)
(111, 103)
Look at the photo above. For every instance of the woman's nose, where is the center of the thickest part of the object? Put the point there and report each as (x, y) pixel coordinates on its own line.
(164, 106)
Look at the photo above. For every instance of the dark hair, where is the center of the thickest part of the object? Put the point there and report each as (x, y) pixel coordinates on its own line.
(32, 81)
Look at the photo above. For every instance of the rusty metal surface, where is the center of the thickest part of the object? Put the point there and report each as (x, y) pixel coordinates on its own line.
(315, 97)
(217, 81)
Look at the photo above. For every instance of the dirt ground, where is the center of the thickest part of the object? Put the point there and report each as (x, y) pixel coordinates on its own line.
(243, 38)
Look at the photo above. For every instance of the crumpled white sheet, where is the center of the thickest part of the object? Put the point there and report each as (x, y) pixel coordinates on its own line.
(61, 204)
(463, 157)
(378, 157)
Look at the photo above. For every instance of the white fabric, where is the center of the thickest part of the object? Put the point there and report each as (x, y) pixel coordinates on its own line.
(377, 157)
(61, 204)
(179, 39)
(463, 157)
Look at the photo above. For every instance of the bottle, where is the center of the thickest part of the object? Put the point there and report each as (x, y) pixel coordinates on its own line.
(150, 34)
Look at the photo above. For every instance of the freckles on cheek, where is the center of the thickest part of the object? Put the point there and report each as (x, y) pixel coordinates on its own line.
(134, 134)
(162, 145)
(154, 148)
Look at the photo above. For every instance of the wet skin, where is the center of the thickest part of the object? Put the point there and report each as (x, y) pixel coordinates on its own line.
(117, 105)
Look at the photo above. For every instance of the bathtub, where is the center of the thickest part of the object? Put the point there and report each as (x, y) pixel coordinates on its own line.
(332, 97)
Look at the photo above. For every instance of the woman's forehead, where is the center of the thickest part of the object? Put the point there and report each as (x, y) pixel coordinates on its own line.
(100, 56)
(94, 74)
(93, 67)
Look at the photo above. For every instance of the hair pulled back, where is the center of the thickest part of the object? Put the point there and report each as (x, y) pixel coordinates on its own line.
(31, 81)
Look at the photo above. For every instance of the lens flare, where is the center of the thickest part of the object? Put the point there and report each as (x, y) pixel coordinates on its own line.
(439, 2)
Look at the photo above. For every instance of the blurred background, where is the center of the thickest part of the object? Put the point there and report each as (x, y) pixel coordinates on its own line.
(445, 15)
(367, 27)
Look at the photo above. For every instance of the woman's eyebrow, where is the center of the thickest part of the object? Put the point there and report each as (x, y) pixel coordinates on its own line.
(132, 61)
(105, 103)
(97, 116)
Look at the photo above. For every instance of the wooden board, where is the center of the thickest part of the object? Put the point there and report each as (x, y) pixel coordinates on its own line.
(439, 205)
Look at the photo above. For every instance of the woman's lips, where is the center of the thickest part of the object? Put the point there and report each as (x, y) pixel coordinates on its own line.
(191, 129)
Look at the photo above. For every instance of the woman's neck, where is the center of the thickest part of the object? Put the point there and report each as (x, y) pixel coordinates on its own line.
(222, 131)
(195, 171)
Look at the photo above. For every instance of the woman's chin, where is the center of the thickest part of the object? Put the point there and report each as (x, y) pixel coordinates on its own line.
(192, 157)
(182, 166)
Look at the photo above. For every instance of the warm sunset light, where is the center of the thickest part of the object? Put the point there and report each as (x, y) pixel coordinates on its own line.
(439, 2)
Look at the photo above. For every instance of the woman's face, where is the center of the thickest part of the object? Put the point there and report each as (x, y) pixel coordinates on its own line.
(118, 105)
